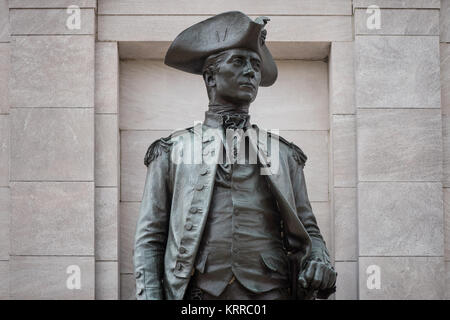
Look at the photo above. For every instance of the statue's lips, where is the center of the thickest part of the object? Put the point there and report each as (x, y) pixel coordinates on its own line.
(248, 85)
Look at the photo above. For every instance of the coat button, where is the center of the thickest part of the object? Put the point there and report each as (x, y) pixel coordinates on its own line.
(205, 152)
(204, 171)
(188, 226)
(182, 250)
(140, 291)
(179, 266)
(199, 187)
(138, 274)
(193, 210)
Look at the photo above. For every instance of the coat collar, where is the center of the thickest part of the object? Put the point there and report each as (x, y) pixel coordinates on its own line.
(227, 120)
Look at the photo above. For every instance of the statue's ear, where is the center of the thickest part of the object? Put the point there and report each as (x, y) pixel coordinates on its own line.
(210, 78)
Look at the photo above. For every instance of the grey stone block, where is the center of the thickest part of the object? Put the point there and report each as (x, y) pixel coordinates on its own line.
(106, 223)
(5, 212)
(321, 211)
(129, 213)
(52, 218)
(347, 280)
(403, 278)
(52, 71)
(446, 149)
(4, 280)
(398, 4)
(4, 77)
(127, 287)
(447, 223)
(399, 22)
(399, 145)
(50, 22)
(52, 144)
(4, 150)
(341, 78)
(106, 77)
(345, 224)
(106, 280)
(42, 278)
(397, 72)
(344, 150)
(400, 219)
(445, 21)
(4, 21)
(106, 150)
(445, 77)
(51, 3)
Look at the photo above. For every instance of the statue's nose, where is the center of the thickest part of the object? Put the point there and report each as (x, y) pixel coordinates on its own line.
(249, 71)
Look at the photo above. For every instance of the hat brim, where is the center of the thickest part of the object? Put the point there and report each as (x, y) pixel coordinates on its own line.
(229, 30)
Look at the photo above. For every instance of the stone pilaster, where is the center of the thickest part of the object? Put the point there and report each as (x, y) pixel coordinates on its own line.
(399, 150)
(106, 170)
(5, 207)
(52, 150)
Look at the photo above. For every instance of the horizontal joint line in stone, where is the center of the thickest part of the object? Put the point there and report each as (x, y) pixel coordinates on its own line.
(292, 130)
(52, 108)
(51, 181)
(402, 256)
(50, 34)
(212, 14)
(54, 35)
(395, 35)
(406, 8)
(398, 181)
(47, 8)
(397, 108)
(52, 255)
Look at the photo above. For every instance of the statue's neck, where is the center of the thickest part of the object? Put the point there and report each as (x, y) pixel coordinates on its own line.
(224, 108)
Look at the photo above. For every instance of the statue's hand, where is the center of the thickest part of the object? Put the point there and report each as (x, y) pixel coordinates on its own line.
(317, 275)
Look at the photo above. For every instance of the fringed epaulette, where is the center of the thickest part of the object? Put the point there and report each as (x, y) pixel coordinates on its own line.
(298, 154)
(156, 149)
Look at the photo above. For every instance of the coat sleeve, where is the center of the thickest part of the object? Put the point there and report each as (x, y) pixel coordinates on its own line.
(304, 210)
(152, 224)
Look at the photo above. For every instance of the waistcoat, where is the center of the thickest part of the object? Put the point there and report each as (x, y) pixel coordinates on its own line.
(242, 236)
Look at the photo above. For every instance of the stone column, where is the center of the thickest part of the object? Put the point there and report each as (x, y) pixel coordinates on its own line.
(52, 150)
(343, 153)
(445, 103)
(106, 170)
(4, 150)
(399, 150)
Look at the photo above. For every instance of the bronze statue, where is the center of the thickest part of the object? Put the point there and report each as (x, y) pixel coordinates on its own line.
(214, 229)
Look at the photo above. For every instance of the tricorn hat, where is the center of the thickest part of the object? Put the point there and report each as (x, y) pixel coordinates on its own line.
(229, 30)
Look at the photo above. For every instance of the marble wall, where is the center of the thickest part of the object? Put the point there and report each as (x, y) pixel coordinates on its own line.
(79, 107)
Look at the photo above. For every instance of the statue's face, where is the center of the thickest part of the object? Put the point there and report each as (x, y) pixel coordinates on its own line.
(238, 77)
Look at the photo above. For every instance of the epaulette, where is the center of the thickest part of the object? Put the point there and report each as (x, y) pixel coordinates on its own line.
(162, 145)
(298, 153)
(156, 149)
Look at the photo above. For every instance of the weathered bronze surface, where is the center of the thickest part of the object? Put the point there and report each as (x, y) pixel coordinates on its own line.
(219, 225)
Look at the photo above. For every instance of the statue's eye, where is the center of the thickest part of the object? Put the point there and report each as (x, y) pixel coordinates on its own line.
(256, 66)
(238, 61)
